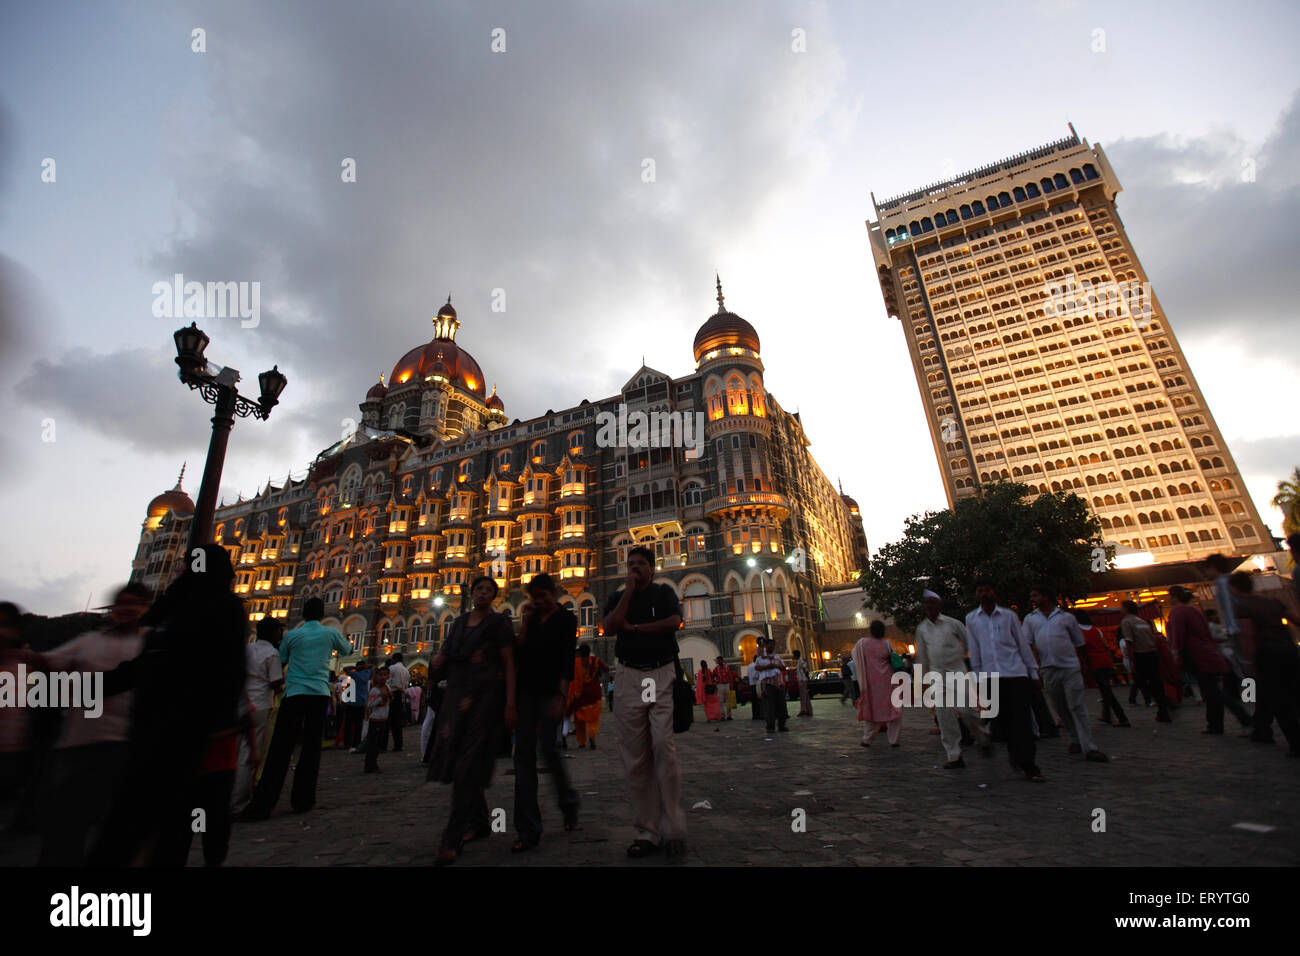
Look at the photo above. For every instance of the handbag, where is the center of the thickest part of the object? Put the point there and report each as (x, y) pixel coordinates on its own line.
(897, 661)
(683, 700)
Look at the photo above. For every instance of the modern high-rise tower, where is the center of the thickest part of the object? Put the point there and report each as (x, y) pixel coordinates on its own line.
(1043, 357)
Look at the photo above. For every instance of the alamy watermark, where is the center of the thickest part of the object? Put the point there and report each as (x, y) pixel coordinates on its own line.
(638, 429)
(73, 690)
(944, 689)
(208, 300)
(1082, 298)
(89, 909)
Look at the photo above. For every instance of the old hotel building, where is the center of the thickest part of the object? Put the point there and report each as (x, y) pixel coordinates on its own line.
(1078, 398)
(436, 487)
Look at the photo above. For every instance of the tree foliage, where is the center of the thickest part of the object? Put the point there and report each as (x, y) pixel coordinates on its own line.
(1287, 500)
(1001, 534)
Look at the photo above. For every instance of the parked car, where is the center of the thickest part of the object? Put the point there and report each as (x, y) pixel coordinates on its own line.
(829, 682)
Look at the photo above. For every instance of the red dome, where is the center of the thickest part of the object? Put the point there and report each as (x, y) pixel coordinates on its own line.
(378, 390)
(419, 362)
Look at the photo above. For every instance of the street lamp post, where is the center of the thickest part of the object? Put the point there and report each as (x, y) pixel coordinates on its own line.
(767, 617)
(217, 386)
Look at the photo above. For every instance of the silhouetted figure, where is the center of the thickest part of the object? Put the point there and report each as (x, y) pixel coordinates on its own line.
(188, 682)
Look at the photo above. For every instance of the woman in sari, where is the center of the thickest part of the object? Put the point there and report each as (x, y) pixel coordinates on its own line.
(706, 693)
(478, 705)
(875, 678)
(586, 691)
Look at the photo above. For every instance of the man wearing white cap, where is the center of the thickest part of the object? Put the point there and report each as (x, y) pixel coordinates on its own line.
(941, 648)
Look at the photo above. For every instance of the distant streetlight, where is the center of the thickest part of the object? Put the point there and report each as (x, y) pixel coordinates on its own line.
(217, 386)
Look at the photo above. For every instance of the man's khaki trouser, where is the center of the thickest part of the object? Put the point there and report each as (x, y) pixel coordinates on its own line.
(643, 714)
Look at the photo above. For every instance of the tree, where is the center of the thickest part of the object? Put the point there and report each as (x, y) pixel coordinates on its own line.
(1000, 534)
(1288, 500)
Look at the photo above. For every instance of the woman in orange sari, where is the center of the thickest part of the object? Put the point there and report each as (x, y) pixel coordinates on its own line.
(586, 695)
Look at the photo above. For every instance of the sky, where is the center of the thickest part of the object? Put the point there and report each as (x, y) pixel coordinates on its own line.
(501, 155)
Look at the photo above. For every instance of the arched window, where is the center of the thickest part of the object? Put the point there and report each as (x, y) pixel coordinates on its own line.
(737, 396)
(1019, 193)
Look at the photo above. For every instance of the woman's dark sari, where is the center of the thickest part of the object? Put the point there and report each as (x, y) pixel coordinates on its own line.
(465, 744)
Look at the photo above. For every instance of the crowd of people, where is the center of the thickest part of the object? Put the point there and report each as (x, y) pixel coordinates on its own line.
(1036, 669)
(126, 788)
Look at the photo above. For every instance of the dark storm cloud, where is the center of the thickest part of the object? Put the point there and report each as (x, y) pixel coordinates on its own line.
(1207, 245)
(133, 395)
(478, 171)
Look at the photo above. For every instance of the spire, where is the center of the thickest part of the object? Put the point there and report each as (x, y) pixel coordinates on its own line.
(721, 307)
(841, 481)
(180, 476)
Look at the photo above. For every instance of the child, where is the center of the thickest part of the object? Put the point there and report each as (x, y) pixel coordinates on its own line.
(377, 714)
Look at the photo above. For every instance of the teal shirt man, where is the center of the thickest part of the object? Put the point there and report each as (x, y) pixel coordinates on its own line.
(305, 653)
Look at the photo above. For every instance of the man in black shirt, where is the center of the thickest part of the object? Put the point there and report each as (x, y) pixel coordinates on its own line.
(543, 666)
(645, 616)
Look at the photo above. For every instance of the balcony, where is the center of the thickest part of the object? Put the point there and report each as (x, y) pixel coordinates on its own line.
(747, 499)
(670, 561)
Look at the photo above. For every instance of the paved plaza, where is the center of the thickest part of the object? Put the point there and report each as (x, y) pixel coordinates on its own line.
(1171, 797)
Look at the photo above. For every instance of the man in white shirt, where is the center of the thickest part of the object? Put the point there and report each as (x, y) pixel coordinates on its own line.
(755, 701)
(399, 678)
(769, 670)
(941, 648)
(998, 647)
(1055, 634)
(263, 677)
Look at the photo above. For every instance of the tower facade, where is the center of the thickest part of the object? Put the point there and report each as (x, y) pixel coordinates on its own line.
(1042, 356)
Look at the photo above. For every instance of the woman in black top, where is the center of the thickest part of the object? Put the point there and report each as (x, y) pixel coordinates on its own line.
(478, 664)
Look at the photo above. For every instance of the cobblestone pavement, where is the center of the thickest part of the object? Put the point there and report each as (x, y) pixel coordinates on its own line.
(1171, 798)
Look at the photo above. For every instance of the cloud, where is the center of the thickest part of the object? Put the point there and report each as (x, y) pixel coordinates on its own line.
(479, 171)
(50, 596)
(1210, 238)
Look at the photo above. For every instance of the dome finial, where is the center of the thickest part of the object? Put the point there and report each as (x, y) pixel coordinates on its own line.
(180, 476)
(445, 322)
(721, 308)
